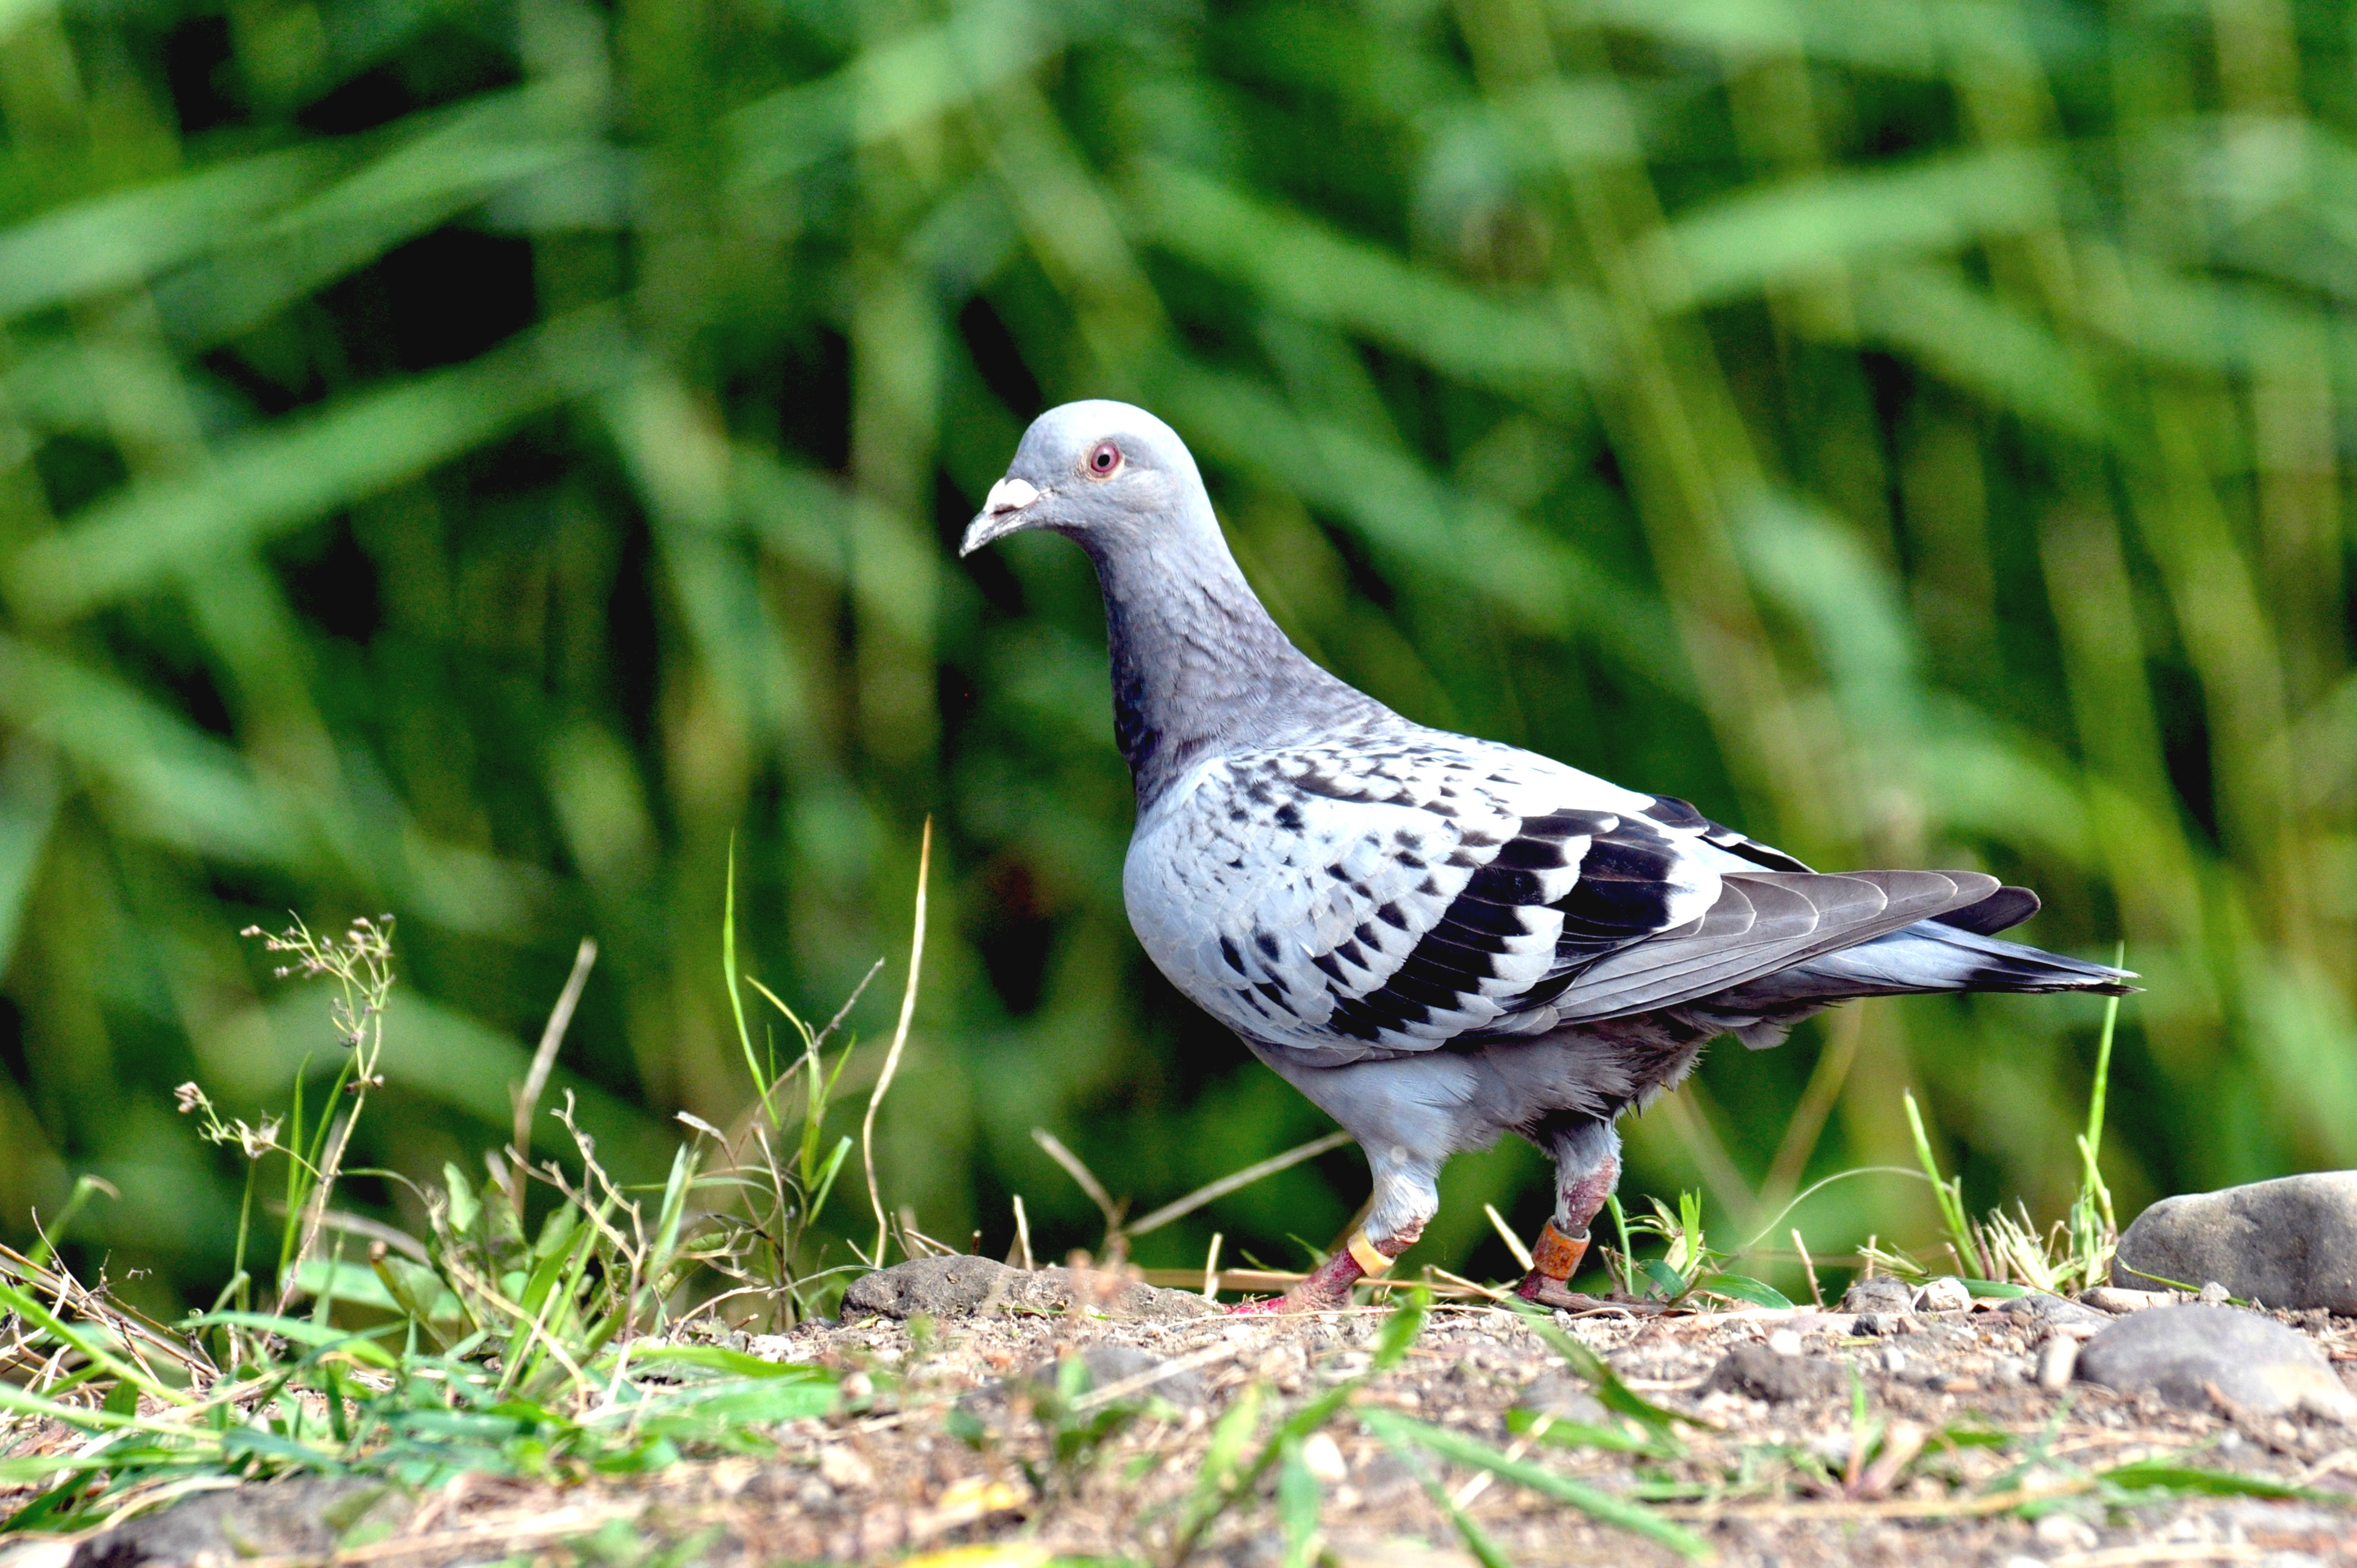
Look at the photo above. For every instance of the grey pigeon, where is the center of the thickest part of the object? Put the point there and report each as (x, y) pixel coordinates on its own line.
(1438, 938)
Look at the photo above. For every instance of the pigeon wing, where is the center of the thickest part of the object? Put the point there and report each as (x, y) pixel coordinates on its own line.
(1364, 898)
(1349, 900)
(1762, 922)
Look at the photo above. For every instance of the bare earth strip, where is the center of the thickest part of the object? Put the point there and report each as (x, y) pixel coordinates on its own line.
(946, 1444)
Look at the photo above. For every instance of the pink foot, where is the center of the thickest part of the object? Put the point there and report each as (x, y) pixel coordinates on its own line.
(1326, 1289)
(1536, 1287)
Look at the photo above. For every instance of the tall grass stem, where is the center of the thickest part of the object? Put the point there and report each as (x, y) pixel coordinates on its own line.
(899, 1042)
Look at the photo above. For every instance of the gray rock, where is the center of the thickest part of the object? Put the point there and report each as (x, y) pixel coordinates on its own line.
(1035, 1390)
(1881, 1294)
(963, 1286)
(1102, 1366)
(1563, 1398)
(2287, 1243)
(2181, 1352)
(2043, 1314)
(1756, 1372)
(303, 1516)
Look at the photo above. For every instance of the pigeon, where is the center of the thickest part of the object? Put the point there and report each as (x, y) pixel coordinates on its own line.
(1439, 939)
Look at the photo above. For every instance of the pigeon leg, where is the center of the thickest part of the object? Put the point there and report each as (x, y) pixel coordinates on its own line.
(1406, 1196)
(1328, 1287)
(1587, 1168)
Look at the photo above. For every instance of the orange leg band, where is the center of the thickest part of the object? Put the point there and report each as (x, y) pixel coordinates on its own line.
(1557, 1255)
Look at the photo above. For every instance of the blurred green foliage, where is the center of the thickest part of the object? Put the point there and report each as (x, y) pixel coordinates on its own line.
(470, 458)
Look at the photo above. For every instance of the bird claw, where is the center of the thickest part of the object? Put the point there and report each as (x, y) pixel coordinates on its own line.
(1326, 1288)
(1544, 1292)
(1299, 1299)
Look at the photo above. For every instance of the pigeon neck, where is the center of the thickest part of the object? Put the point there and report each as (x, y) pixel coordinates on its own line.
(1197, 662)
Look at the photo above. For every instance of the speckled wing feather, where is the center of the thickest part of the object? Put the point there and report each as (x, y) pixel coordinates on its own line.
(1371, 897)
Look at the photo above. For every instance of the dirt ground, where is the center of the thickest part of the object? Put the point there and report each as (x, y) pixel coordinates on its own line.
(942, 1448)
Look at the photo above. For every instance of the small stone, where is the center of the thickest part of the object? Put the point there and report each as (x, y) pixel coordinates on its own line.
(1880, 1324)
(1323, 1457)
(1784, 1342)
(1758, 1373)
(2045, 1315)
(2215, 1294)
(2181, 1352)
(964, 1286)
(2118, 1299)
(2066, 1531)
(1561, 1397)
(844, 1468)
(2057, 1360)
(2291, 1242)
(1102, 1366)
(1946, 1293)
(1894, 1360)
(1882, 1294)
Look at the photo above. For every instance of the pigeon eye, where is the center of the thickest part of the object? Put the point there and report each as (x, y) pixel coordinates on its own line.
(1105, 459)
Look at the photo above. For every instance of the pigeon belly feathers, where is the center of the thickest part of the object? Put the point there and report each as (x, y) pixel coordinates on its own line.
(1440, 940)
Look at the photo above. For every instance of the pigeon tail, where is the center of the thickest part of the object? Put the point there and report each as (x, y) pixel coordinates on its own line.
(1926, 958)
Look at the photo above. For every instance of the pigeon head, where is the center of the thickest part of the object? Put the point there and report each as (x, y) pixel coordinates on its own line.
(1106, 474)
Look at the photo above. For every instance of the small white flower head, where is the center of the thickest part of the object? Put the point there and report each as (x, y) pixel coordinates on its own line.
(258, 1141)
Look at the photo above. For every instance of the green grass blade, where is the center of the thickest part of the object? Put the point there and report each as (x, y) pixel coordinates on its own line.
(1459, 1449)
(35, 1313)
(736, 997)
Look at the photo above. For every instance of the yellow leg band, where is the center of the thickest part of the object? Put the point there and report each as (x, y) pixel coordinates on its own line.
(1373, 1261)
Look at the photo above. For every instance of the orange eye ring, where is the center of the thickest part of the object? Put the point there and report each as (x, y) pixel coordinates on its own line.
(1103, 461)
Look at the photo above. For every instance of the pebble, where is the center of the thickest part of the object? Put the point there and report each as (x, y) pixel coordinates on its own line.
(1323, 1457)
(964, 1285)
(1756, 1371)
(2178, 1352)
(2290, 1243)
(2118, 1299)
(2065, 1530)
(2055, 1361)
(844, 1469)
(2045, 1315)
(1946, 1293)
(1883, 1294)
(1564, 1398)
(1104, 1365)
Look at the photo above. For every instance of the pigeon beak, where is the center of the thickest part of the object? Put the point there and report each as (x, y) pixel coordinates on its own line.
(1002, 512)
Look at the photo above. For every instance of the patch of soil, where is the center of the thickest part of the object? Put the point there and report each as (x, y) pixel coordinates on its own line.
(952, 1438)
